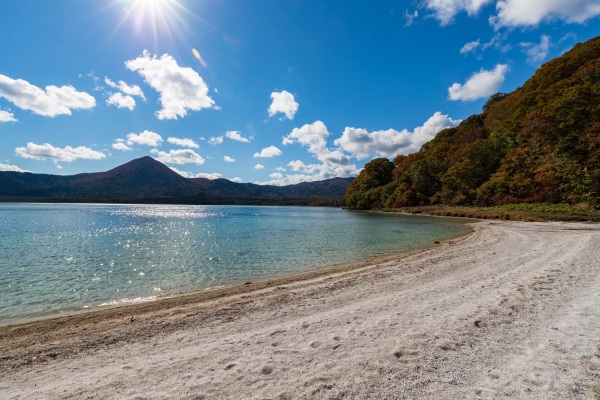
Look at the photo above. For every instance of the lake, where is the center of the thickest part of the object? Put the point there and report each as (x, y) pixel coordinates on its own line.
(57, 258)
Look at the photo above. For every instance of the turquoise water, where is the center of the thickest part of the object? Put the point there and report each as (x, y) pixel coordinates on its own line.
(57, 258)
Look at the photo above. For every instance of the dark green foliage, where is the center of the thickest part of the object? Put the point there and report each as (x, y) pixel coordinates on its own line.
(366, 190)
(538, 144)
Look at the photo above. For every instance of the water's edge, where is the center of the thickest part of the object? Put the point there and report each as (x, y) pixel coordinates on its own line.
(235, 289)
(63, 259)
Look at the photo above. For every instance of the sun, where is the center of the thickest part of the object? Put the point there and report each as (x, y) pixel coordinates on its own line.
(158, 19)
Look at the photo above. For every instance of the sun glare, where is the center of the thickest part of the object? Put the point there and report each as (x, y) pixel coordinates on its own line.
(158, 19)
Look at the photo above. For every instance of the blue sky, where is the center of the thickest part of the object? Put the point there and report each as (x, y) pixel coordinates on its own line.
(262, 91)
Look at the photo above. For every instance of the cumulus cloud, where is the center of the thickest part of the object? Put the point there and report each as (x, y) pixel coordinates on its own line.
(49, 103)
(131, 90)
(214, 175)
(479, 85)
(185, 156)
(259, 166)
(268, 152)
(208, 175)
(272, 182)
(146, 138)
(11, 168)
(236, 179)
(228, 159)
(121, 101)
(314, 136)
(66, 154)
(319, 172)
(446, 10)
(215, 140)
(276, 175)
(183, 142)
(237, 136)
(299, 166)
(334, 163)
(389, 143)
(181, 88)
(119, 145)
(6, 116)
(536, 53)
(283, 102)
(524, 13)
(470, 47)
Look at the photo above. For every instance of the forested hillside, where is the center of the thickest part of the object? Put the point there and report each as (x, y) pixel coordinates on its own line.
(540, 143)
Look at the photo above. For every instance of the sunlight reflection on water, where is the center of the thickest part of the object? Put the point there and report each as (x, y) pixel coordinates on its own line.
(56, 257)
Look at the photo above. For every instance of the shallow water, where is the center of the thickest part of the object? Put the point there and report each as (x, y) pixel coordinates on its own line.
(64, 257)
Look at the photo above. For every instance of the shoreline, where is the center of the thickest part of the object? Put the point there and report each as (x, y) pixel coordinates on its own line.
(228, 289)
(227, 292)
(508, 310)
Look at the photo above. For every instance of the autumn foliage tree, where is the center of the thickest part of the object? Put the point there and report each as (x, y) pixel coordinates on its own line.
(540, 143)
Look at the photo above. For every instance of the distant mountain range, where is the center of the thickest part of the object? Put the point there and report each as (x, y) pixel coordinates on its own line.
(145, 180)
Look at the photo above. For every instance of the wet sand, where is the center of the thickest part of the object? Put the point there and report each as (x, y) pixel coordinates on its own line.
(510, 311)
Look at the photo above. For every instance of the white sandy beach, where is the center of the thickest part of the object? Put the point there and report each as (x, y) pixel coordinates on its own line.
(511, 311)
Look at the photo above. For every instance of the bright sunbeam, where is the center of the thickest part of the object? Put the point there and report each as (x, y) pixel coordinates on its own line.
(158, 19)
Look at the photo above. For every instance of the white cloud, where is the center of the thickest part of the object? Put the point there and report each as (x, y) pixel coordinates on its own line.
(121, 146)
(228, 159)
(183, 142)
(147, 138)
(182, 173)
(184, 156)
(236, 135)
(445, 10)
(6, 116)
(276, 175)
(236, 179)
(181, 88)
(214, 175)
(120, 101)
(410, 18)
(259, 166)
(272, 182)
(268, 152)
(49, 103)
(11, 168)
(131, 90)
(299, 166)
(470, 47)
(479, 85)
(389, 143)
(215, 140)
(334, 163)
(280, 169)
(536, 53)
(66, 154)
(207, 175)
(314, 136)
(283, 102)
(523, 13)
(319, 172)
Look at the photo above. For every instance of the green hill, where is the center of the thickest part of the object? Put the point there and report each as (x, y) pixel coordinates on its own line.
(538, 144)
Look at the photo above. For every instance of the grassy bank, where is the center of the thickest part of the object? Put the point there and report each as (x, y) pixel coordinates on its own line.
(515, 212)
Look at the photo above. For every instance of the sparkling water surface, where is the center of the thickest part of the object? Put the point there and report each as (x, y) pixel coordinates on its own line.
(57, 258)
